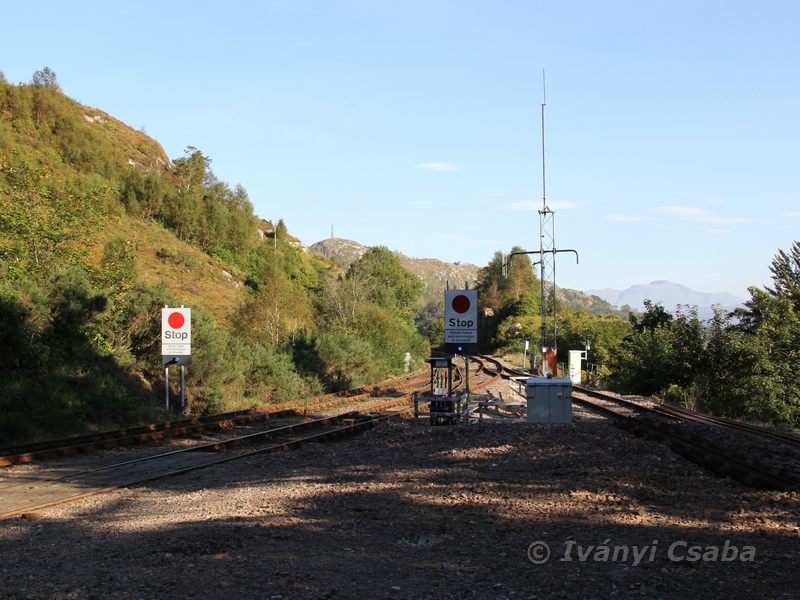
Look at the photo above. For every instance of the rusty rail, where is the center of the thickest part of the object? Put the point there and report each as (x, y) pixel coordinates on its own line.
(206, 455)
(693, 447)
(159, 431)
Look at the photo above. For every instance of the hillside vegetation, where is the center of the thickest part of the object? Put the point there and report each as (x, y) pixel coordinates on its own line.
(435, 274)
(99, 230)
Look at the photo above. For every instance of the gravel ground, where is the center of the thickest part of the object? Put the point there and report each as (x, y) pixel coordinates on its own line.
(769, 453)
(406, 511)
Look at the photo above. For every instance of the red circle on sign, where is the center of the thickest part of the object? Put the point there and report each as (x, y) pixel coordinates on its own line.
(176, 320)
(460, 304)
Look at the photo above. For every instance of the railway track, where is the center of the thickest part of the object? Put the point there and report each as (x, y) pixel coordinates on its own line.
(747, 428)
(28, 493)
(25, 494)
(663, 424)
(27, 453)
(490, 366)
(690, 416)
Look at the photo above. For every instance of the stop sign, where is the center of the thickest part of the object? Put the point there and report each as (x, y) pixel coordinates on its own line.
(461, 317)
(460, 304)
(176, 320)
(176, 335)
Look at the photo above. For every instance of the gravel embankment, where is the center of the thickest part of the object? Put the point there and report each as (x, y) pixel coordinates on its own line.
(406, 511)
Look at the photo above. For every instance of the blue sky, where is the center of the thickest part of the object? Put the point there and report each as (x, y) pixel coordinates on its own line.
(672, 127)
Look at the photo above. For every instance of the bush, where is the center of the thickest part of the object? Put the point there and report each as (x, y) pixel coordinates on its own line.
(347, 361)
(678, 396)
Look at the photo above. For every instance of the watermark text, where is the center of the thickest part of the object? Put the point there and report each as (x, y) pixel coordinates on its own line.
(539, 552)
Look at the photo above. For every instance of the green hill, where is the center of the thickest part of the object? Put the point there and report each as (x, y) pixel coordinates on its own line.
(434, 274)
(99, 230)
(186, 272)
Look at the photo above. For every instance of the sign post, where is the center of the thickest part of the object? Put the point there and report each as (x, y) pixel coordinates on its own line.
(461, 325)
(461, 321)
(176, 343)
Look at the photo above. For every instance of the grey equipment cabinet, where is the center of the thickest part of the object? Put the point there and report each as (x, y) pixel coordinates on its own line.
(549, 399)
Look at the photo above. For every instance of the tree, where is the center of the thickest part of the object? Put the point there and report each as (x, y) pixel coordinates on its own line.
(39, 227)
(387, 283)
(519, 279)
(491, 283)
(280, 230)
(343, 298)
(18, 341)
(688, 346)
(654, 316)
(785, 269)
(734, 370)
(430, 322)
(662, 350)
(277, 311)
(74, 302)
(194, 168)
(46, 78)
(605, 334)
(642, 364)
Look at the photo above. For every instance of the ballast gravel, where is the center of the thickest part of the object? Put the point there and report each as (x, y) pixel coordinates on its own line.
(412, 511)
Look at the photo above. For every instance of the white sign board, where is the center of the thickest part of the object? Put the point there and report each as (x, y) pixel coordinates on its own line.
(176, 334)
(461, 316)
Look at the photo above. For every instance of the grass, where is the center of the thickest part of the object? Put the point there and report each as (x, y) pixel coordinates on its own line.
(190, 275)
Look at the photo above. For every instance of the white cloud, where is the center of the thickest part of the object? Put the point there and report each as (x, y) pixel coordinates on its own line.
(718, 201)
(525, 205)
(682, 212)
(698, 215)
(793, 214)
(438, 166)
(627, 218)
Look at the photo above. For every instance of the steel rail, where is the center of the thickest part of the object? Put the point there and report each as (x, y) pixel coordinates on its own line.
(684, 414)
(747, 428)
(360, 422)
(699, 450)
(159, 431)
(693, 448)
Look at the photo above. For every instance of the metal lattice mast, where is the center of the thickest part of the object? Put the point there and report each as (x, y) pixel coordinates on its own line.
(547, 257)
(547, 273)
(547, 248)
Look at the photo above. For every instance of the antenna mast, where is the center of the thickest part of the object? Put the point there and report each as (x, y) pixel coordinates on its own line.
(544, 179)
(547, 265)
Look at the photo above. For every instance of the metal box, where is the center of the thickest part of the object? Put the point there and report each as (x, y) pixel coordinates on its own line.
(549, 399)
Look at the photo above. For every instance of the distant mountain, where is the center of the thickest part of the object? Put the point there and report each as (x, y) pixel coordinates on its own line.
(435, 274)
(669, 295)
(592, 304)
(339, 250)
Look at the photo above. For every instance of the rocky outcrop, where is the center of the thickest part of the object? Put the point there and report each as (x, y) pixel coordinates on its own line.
(435, 274)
